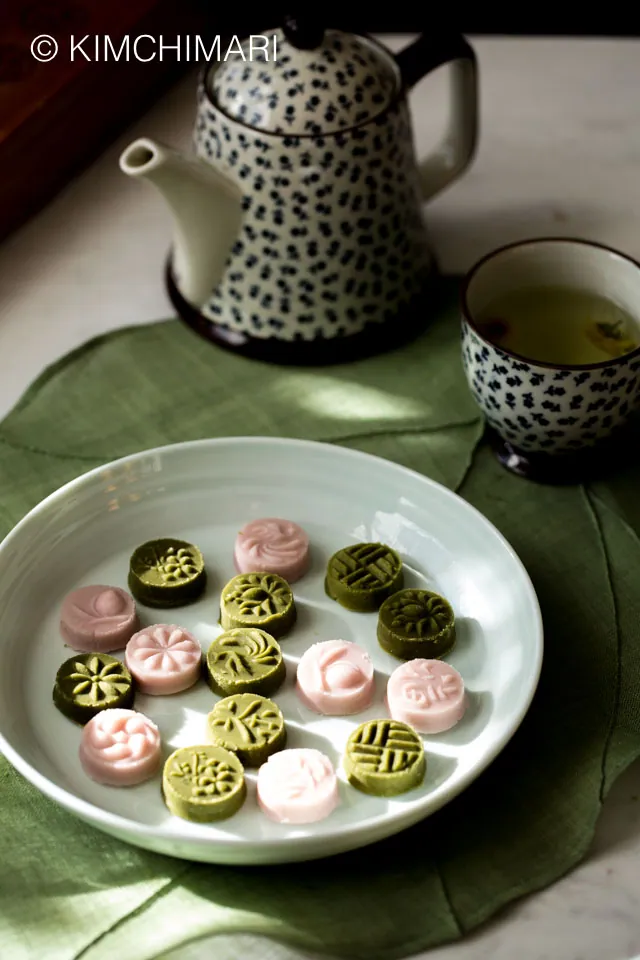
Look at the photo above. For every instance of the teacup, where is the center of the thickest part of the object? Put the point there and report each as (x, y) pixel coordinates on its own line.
(544, 412)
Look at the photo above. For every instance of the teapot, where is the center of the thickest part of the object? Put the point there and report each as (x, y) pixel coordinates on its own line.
(299, 234)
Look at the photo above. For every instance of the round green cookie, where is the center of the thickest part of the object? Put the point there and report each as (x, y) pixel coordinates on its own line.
(250, 725)
(262, 600)
(89, 683)
(384, 758)
(416, 623)
(245, 660)
(361, 576)
(203, 783)
(167, 573)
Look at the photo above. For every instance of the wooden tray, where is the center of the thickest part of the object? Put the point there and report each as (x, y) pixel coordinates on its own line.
(56, 117)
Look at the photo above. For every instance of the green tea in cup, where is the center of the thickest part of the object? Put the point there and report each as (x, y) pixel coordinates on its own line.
(551, 352)
(558, 325)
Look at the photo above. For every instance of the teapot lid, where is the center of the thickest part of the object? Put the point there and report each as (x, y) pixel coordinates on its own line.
(320, 82)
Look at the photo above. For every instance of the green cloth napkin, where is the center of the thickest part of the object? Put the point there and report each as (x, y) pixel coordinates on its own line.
(68, 891)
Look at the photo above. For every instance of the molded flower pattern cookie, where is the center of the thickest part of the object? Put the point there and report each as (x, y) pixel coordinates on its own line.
(120, 748)
(416, 623)
(167, 573)
(245, 660)
(297, 786)
(98, 618)
(384, 758)
(203, 783)
(250, 725)
(272, 545)
(361, 576)
(164, 659)
(260, 600)
(89, 683)
(429, 695)
(335, 678)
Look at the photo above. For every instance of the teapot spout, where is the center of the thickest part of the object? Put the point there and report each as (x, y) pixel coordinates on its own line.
(207, 212)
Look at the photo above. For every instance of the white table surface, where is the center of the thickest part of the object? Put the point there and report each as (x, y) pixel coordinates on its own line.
(559, 155)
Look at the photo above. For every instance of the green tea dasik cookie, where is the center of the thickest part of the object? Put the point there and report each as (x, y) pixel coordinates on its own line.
(167, 573)
(244, 660)
(250, 725)
(416, 623)
(384, 758)
(203, 783)
(361, 576)
(262, 600)
(89, 683)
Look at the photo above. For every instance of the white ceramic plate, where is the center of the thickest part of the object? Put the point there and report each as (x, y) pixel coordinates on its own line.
(204, 492)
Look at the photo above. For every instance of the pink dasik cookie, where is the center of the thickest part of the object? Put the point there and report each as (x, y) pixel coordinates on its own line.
(297, 786)
(120, 748)
(272, 546)
(335, 678)
(163, 659)
(98, 619)
(427, 694)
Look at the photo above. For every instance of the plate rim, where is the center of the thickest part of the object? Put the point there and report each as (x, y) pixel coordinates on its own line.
(122, 827)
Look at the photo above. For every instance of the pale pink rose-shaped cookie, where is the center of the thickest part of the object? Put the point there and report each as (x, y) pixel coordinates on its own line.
(272, 545)
(120, 748)
(297, 786)
(335, 678)
(98, 619)
(163, 659)
(429, 695)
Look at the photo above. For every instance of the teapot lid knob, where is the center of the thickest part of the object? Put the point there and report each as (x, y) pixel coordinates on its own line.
(304, 32)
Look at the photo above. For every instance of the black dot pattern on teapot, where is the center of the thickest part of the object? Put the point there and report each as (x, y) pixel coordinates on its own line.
(346, 81)
(332, 237)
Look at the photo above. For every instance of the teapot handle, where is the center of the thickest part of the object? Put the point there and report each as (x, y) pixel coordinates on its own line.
(458, 147)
